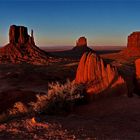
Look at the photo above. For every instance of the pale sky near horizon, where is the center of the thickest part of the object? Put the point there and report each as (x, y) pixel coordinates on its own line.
(60, 22)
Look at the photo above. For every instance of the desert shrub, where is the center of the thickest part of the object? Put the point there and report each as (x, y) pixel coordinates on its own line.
(59, 98)
(18, 108)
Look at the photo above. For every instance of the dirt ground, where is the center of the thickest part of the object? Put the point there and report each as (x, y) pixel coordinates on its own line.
(112, 118)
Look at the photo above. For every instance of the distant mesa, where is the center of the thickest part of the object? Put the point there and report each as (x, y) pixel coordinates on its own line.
(133, 47)
(96, 74)
(134, 40)
(81, 45)
(19, 34)
(22, 48)
(81, 42)
(76, 52)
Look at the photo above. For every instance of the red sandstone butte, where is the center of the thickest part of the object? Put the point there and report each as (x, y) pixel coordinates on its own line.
(92, 71)
(81, 46)
(21, 48)
(81, 42)
(134, 40)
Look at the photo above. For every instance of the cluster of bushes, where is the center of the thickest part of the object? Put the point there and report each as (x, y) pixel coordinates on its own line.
(58, 99)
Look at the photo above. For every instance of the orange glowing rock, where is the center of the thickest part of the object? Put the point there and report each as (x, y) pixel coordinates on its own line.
(137, 65)
(134, 40)
(33, 120)
(93, 71)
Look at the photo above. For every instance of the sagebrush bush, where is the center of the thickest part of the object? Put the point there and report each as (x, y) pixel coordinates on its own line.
(18, 108)
(60, 97)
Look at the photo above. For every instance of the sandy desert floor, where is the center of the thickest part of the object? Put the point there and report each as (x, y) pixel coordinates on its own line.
(115, 117)
(112, 118)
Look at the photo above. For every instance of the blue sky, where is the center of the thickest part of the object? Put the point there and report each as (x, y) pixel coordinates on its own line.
(61, 22)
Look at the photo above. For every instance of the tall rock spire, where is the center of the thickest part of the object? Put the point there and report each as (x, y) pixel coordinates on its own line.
(31, 39)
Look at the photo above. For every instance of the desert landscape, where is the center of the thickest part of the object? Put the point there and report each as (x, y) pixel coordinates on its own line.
(69, 93)
(98, 95)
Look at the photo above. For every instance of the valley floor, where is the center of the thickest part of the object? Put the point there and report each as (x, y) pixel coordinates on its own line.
(112, 118)
(115, 118)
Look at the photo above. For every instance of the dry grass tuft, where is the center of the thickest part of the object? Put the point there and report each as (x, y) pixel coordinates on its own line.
(18, 108)
(60, 97)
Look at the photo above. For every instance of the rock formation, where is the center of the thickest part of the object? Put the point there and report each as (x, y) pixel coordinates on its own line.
(98, 76)
(22, 48)
(81, 47)
(137, 77)
(81, 42)
(133, 49)
(137, 66)
(18, 34)
(134, 40)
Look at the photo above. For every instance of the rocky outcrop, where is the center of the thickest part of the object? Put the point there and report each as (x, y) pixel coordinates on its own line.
(22, 48)
(96, 74)
(137, 66)
(137, 77)
(134, 40)
(129, 54)
(81, 42)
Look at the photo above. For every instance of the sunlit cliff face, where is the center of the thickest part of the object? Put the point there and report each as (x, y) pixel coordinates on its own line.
(98, 76)
(137, 65)
(134, 40)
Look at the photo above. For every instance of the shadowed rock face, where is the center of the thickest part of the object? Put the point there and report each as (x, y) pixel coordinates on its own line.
(18, 34)
(94, 72)
(22, 48)
(134, 40)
